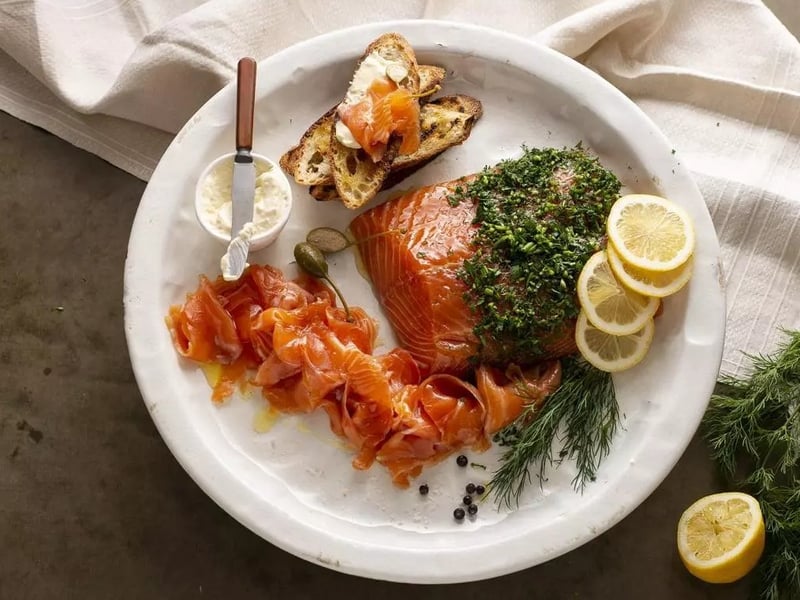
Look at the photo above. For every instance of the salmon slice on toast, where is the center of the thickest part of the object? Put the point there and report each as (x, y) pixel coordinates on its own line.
(308, 162)
(373, 116)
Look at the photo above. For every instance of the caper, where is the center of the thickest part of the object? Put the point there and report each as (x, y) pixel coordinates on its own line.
(328, 239)
(312, 261)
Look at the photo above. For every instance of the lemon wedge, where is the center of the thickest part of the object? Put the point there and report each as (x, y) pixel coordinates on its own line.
(658, 284)
(608, 305)
(612, 353)
(650, 232)
(721, 537)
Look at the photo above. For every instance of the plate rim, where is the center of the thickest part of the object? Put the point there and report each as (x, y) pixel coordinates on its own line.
(347, 556)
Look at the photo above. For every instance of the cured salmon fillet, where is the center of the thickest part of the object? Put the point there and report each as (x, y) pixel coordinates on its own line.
(412, 248)
(290, 339)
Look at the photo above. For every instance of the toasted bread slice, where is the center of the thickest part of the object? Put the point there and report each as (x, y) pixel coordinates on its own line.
(308, 162)
(323, 193)
(445, 122)
(430, 81)
(356, 177)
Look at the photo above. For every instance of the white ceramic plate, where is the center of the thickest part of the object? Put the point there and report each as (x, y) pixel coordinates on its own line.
(294, 485)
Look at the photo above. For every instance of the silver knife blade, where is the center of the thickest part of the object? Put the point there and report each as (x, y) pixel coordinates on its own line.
(243, 192)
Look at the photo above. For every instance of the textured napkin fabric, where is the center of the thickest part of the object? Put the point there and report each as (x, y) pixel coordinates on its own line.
(721, 78)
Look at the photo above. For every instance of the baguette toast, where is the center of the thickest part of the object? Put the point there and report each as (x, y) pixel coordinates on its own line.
(355, 149)
(445, 122)
(308, 161)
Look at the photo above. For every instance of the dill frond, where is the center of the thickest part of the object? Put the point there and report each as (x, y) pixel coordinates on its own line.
(584, 408)
(752, 427)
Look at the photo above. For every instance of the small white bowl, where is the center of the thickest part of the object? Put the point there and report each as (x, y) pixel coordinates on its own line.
(260, 240)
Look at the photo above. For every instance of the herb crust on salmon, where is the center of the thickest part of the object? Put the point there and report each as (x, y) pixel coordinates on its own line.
(483, 268)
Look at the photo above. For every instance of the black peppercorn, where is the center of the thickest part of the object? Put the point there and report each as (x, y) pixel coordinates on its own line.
(423, 489)
(479, 489)
(458, 514)
(472, 509)
(467, 500)
(461, 461)
(471, 488)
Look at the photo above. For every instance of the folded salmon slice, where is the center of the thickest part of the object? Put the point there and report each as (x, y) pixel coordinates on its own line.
(506, 393)
(385, 110)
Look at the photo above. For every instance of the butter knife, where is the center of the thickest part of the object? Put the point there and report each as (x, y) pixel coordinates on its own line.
(244, 171)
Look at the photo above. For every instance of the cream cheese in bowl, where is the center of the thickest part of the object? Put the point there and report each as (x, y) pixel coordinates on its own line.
(272, 201)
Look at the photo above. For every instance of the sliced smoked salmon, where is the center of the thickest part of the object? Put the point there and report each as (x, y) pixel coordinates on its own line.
(203, 330)
(432, 420)
(290, 339)
(505, 393)
(386, 109)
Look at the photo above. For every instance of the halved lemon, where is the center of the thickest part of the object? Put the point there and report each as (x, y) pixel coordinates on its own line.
(657, 284)
(612, 353)
(650, 232)
(721, 537)
(610, 306)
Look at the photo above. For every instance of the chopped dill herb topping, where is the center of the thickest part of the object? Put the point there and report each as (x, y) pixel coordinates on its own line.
(540, 217)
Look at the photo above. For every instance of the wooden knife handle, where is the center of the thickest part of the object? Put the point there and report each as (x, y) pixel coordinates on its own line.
(245, 103)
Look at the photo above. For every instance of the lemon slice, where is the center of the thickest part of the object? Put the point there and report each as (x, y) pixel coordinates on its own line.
(612, 353)
(721, 537)
(657, 284)
(608, 304)
(650, 232)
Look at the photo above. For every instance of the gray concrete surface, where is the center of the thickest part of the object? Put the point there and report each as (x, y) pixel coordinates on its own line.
(93, 505)
(788, 13)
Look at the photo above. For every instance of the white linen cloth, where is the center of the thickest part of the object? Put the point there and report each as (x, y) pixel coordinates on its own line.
(721, 78)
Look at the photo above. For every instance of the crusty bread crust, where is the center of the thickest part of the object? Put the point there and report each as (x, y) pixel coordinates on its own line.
(393, 46)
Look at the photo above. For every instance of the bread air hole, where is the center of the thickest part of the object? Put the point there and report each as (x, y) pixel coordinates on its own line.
(352, 164)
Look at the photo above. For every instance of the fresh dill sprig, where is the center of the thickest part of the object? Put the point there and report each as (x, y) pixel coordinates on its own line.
(584, 408)
(752, 426)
